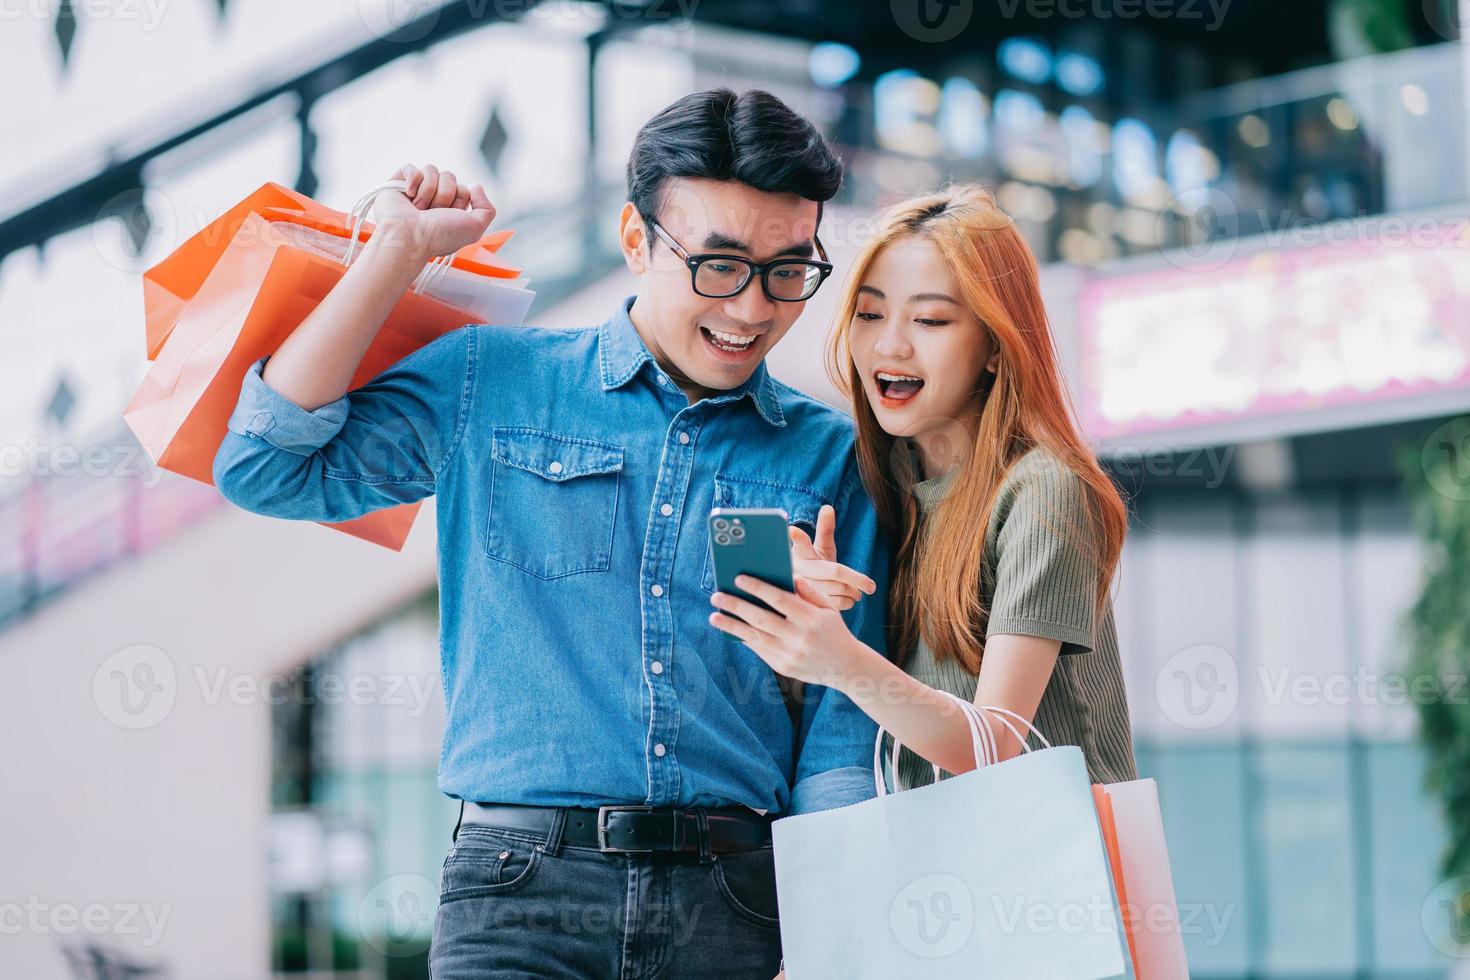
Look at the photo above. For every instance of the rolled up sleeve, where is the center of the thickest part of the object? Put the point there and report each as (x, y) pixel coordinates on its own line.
(264, 413)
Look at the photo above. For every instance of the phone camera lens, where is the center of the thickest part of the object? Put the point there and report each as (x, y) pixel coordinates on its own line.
(737, 533)
(722, 538)
(721, 524)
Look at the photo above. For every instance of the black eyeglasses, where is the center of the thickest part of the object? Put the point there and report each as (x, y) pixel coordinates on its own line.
(718, 276)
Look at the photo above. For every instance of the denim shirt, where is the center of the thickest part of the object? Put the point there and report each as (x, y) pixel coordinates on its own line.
(574, 481)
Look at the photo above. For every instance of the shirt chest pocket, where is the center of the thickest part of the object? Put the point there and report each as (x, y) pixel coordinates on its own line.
(800, 504)
(553, 502)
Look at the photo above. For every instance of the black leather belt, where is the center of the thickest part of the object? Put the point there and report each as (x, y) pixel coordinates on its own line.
(630, 829)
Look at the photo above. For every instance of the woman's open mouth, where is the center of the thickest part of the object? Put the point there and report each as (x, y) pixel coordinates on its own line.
(729, 346)
(897, 389)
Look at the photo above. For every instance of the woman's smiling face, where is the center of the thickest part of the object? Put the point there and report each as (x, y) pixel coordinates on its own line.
(920, 352)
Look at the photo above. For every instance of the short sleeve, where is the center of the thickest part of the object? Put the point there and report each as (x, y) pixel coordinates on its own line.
(1046, 575)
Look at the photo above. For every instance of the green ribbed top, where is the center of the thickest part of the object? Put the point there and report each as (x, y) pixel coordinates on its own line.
(1039, 580)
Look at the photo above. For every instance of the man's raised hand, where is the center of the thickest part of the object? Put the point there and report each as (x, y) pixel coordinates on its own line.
(436, 214)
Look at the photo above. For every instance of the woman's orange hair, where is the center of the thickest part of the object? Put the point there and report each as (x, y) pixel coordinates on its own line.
(936, 589)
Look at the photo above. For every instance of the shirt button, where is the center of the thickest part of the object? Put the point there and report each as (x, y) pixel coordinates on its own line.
(657, 590)
(555, 467)
(683, 438)
(666, 509)
(659, 750)
(657, 667)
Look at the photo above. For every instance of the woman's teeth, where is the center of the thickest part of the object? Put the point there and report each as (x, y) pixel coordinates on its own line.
(733, 342)
(899, 387)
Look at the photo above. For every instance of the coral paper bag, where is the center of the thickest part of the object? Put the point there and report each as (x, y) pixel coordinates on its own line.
(171, 284)
(1133, 829)
(262, 285)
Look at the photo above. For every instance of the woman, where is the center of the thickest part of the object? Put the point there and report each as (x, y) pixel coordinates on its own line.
(1006, 530)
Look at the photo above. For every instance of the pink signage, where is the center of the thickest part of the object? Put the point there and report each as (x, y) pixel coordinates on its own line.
(1277, 333)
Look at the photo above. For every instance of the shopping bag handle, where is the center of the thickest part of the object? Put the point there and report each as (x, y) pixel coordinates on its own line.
(982, 739)
(430, 274)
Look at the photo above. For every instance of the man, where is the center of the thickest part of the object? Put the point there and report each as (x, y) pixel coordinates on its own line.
(619, 758)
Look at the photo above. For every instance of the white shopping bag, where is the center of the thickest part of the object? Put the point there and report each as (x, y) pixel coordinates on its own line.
(1000, 873)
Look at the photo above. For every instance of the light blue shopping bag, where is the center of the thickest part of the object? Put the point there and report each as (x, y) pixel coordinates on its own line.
(1000, 873)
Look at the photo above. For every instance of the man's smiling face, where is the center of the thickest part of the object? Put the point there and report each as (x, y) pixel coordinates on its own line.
(710, 345)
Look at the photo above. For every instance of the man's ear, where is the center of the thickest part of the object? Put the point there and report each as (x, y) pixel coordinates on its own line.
(633, 237)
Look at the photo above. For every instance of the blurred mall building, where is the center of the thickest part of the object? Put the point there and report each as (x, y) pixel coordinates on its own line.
(222, 730)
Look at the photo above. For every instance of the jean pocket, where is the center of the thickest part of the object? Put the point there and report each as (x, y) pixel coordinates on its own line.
(553, 502)
(800, 504)
(746, 880)
(483, 863)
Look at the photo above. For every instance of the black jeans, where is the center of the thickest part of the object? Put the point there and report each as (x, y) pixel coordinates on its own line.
(515, 904)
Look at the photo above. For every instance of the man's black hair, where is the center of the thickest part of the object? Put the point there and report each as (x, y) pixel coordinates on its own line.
(753, 138)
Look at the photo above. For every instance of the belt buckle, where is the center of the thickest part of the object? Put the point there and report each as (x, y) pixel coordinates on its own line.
(602, 813)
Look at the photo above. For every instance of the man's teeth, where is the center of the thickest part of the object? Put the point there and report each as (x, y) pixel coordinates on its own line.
(732, 339)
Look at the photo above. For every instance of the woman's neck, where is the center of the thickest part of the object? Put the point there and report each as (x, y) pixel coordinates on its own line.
(945, 447)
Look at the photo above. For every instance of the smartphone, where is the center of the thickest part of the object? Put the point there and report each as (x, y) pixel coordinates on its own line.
(750, 541)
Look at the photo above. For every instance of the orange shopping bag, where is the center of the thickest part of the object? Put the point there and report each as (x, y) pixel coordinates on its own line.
(258, 289)
(172, 283)
(1128, 814)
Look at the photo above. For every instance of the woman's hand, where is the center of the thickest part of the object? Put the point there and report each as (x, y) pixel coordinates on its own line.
(435, 215)
(805, 638)
(817, 563)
